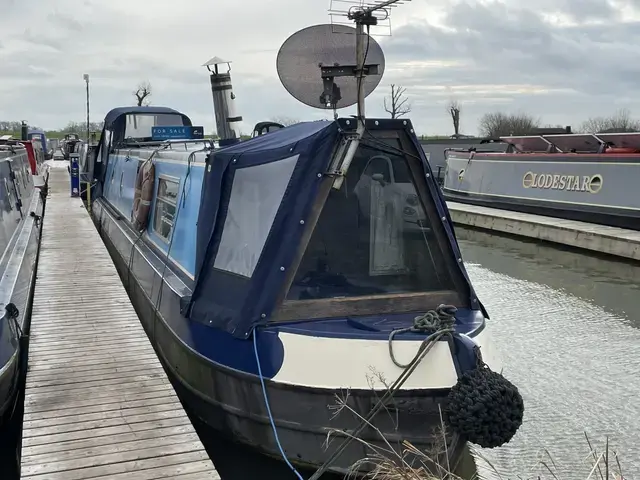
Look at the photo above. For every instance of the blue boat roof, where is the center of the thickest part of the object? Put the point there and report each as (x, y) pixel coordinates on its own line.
(278, 138)
(116, 113)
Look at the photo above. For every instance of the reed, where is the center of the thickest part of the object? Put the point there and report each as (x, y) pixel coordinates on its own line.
(409, 463)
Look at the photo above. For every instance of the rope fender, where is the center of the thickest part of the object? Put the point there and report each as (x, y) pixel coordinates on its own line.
(484, 407)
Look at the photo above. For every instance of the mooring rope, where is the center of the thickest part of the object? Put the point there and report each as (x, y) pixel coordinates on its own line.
(441, 319)
(439, 323)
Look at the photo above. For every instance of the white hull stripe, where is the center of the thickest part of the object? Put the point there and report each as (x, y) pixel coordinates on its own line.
(333, 363)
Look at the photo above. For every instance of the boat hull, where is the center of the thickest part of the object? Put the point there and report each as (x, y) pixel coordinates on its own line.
(16, 286)
(591, 188)
(8, 387)
(231, 401)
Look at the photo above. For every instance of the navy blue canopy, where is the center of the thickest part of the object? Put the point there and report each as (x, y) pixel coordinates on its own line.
(236, 303)
(116, 113)
(114, 121)
(443, 211)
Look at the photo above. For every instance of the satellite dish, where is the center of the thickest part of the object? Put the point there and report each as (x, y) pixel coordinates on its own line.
(316, 66)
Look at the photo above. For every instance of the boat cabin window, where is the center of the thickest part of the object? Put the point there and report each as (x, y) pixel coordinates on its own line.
(165, 208)
(255, 199)
(138, 126)
(10, 198)
(105, 146)
(373, 236)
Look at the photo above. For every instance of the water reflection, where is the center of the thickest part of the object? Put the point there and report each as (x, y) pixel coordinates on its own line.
(566, 326)
(10, 443)
(612, 284)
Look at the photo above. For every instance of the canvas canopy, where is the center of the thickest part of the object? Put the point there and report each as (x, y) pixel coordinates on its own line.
(256, 197)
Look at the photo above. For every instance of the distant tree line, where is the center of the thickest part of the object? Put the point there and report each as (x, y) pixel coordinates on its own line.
(80, 128)
(498, 124)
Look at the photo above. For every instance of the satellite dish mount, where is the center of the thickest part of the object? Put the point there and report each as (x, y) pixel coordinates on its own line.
(363, 17)
(316, 65)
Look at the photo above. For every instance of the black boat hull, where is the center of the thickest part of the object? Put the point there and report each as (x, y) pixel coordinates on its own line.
(609, 216)
(232, 402)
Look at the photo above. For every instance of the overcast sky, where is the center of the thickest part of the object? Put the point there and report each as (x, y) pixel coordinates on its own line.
(560, 60)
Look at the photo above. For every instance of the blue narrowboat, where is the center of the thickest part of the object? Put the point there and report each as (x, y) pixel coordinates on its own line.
(267, 291)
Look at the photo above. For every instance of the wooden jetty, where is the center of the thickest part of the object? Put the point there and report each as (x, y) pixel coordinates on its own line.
(614, 241)
(98, 403)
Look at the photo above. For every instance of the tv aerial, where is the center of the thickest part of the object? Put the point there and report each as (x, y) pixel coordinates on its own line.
(335, 65)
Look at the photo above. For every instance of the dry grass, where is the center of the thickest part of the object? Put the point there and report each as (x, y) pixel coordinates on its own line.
(387, 463)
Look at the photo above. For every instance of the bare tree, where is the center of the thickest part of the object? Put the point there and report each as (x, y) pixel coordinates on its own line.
(454, 108)
(399, 105)
(620, 121)
(499, 124)
(283, 120)
(142, 93)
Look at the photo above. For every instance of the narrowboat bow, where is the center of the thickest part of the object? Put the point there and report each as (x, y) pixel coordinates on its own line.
(260, 284)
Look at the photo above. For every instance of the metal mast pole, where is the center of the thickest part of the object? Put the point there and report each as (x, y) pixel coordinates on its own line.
(360, 59)
(86, 79)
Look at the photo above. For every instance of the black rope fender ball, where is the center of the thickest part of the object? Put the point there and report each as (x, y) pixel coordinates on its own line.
(484, 407)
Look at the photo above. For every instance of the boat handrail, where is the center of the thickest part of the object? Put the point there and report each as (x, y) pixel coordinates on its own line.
(169, 143)
(472, 149)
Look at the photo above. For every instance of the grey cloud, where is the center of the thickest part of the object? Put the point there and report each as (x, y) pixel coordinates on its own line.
(42, 40)
(495, 46)
(62, 20)
(491, 56)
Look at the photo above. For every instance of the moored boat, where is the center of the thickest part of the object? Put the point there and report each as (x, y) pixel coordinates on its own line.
(41, 136)
(70, 144)
(22, 206)
(585, 177)
(316, 260)
(246, 256)
(216, 267)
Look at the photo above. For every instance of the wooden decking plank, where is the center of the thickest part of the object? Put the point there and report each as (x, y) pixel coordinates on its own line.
(85, 454)
(112, 357)
(74, 445)
(150, 393)
(80, 418)
(163, 457)
(182, 471)
(43, 366)
(98, 403)
(114, 462)
(105, 431)
(71, 380)
(105, 407)
(64, 371)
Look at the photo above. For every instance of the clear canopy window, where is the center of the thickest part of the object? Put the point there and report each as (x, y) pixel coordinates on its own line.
(138, 126)
(256, 196)
(373, 236)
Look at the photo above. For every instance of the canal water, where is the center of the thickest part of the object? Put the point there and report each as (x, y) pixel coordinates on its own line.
(567, 327)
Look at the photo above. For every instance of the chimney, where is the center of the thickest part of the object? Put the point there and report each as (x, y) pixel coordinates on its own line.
(24, 131)
(227, 122)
